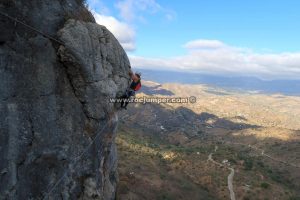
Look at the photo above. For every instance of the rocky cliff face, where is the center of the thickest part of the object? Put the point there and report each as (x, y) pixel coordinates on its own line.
(54, 100)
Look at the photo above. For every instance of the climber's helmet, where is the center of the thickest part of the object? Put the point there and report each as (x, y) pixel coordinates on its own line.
(138, 74)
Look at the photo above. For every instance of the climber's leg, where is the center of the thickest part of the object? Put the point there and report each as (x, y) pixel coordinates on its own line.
(130, 93)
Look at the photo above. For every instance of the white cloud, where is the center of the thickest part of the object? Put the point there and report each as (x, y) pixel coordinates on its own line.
(121, 30)
(200, 44)
(215, 57)
(131, 10)
(170, 16)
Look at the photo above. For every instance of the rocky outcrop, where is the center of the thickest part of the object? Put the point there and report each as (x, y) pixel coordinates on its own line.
(54, 101)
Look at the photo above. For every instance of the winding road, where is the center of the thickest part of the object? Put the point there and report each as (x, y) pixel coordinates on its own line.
(230, 176)
(230, 185)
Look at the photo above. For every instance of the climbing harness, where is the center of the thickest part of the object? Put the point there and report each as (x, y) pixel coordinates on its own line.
(135, 86)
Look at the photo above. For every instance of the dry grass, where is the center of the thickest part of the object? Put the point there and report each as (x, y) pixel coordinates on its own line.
(82, 14)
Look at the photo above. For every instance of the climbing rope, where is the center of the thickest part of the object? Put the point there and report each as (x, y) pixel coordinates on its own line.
(73, 163)
(32, 28)
(40, 32)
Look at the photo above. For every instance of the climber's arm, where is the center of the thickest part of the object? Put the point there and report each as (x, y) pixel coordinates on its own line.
(133, 76)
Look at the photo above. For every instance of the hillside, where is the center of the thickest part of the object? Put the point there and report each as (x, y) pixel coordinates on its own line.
(226, 145)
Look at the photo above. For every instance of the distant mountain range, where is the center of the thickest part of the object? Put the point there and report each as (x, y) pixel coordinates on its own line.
(252, 84)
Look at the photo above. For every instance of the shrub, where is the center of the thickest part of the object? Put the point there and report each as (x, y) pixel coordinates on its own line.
(265, 185)
(232, 160)
(82, 2)
(248, 164)
(186, 185)
(260, 163)
(164, 196)
(294, 198)
(163, 176)
(122, 187)
(82, 14)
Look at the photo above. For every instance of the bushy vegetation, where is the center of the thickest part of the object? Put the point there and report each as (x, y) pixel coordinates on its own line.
(184, 162)
(185, 185)
(294, 198)
(122, 187)
(265, 185)
(164, 196)
(81, 13)
(248, 164)
(82, 2)
(248, 161)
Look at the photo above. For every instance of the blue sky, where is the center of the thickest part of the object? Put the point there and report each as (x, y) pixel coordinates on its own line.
(258, 37)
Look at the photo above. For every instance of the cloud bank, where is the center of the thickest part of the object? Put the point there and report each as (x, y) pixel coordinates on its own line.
(216, 57)
(204, 56)
(130, 11)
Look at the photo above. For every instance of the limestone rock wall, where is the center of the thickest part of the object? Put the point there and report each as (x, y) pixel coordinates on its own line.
(54, 100)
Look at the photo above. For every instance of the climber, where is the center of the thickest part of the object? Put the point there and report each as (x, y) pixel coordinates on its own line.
(134, 86)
